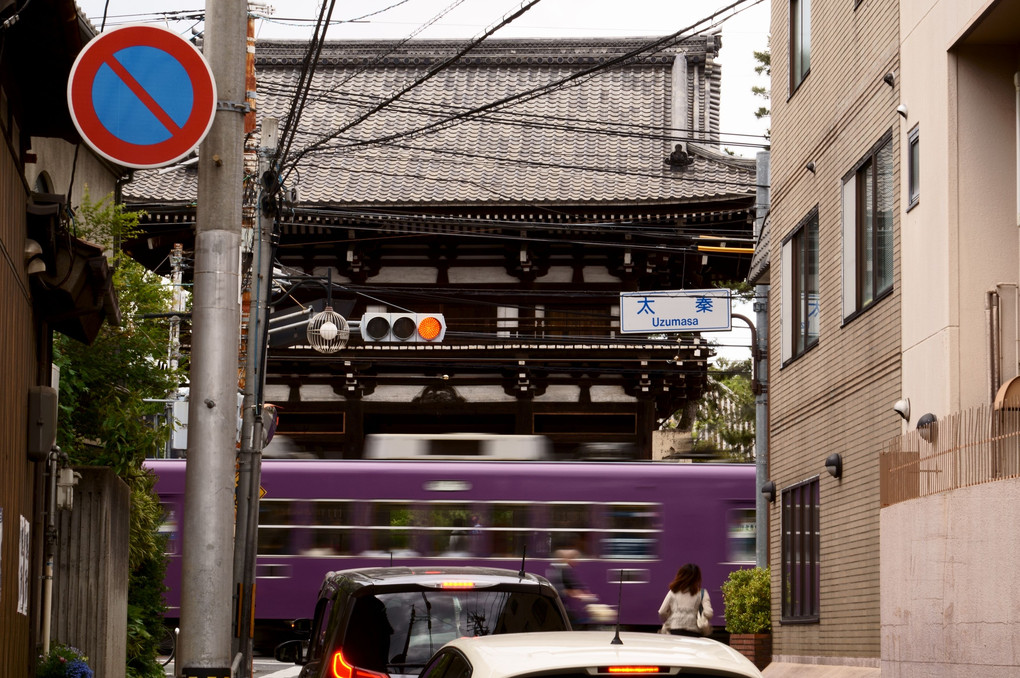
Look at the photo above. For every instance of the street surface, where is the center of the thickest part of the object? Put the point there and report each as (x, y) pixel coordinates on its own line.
(264, 668)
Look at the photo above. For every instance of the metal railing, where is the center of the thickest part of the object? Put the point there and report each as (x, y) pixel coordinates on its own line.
(960, 450)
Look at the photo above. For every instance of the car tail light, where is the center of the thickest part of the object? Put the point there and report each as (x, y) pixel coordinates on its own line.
(630, 669)
(343, 669)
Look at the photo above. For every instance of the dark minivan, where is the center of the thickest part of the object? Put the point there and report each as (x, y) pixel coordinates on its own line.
(387, 622)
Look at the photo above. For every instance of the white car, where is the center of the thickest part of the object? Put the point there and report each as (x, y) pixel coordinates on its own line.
(588, 654)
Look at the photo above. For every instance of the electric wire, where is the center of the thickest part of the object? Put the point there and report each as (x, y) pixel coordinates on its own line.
(541, 90)
(428, 75)
(301, 95)
(526, 120)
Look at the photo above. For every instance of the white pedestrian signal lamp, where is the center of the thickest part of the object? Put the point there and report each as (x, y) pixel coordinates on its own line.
(426, 328)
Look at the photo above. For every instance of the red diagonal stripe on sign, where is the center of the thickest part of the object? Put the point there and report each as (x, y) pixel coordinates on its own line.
(143, 95)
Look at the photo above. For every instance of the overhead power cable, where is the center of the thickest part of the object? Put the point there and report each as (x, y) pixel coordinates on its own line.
(535, 92)
(446, 10)
(301, 95)
(521, 119)
(735, 185)
(413, 230)
(431, 73)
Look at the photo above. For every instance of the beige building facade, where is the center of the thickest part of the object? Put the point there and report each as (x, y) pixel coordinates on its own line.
(894, 282)
(835, 323)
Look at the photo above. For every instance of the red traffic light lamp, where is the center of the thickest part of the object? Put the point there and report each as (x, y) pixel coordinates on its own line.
(403, 327)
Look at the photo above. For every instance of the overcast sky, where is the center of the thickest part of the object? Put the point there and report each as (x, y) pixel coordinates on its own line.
(743, 34)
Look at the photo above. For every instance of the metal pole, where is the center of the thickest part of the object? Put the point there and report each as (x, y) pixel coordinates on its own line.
(760, 359)
(212, 415)
(249, 478)
(51, 544)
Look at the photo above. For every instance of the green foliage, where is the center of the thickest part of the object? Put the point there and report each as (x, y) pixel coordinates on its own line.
(103, 414)
(748, 600)
(63, 662)
(764, 67)
(726, 413)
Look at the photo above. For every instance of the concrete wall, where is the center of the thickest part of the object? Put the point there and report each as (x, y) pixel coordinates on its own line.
(62, 170)
(950, 596)
(960, 241)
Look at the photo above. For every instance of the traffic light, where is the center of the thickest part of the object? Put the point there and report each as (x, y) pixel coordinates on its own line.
(429, 328)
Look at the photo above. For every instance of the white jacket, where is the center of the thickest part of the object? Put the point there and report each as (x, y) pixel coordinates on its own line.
(680, 610)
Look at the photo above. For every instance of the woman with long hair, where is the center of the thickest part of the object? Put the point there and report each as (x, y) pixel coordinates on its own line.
(679, 610)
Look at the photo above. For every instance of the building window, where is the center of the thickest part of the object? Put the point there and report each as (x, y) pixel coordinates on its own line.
(800, 41)
(801, 571)
(913, 168)
(868, 229)
(801, 304)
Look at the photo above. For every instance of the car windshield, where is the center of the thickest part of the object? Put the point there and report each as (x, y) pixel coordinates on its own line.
(397, 632)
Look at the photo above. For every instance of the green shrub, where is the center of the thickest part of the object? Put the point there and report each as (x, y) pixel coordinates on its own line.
(748, 600)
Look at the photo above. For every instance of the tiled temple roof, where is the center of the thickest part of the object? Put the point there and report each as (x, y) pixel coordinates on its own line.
(603, 138)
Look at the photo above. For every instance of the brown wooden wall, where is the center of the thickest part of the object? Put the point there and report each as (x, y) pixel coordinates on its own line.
(17, 373)
(90, 571)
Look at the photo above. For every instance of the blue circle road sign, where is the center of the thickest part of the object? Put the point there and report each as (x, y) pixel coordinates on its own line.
(141, 96)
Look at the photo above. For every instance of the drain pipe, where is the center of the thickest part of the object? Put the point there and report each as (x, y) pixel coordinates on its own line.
(992, 329)
(51, 543)
(1016, 114)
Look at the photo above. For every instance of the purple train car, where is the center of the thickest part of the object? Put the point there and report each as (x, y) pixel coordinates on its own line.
(632, 524)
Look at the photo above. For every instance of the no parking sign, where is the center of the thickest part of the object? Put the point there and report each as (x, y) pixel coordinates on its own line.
(141, 96)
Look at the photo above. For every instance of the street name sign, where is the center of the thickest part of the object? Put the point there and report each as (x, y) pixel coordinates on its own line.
(141, 96)
(675, 311)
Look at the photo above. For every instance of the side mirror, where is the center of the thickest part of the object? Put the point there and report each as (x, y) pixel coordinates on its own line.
(289, 652)
(302, 628)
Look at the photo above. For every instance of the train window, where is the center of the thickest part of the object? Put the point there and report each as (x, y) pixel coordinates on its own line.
(276, 532)
(570, 527)
(168, 528)
(741, 535)
(451, 529)
(277, 512)
(325, 512)
(632, 531)
(391, 528)
(330, 541)
(276, 541)
(511, 529)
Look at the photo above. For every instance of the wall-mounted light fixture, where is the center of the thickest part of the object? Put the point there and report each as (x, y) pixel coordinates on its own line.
(902, 110)
(768, 489)
(927, 426)
(834, 465)
(34, 257)
(810, 167)
(889, 79)
(902, 408)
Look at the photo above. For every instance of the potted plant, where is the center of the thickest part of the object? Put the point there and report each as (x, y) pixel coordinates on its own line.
(63, 662)
(748, 602)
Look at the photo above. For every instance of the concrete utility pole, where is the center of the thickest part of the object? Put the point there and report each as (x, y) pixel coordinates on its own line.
(208, 524)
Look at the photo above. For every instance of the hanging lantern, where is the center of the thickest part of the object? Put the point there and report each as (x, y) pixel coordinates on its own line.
(328, 331)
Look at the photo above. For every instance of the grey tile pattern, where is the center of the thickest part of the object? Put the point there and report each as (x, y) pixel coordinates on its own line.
(603, 138)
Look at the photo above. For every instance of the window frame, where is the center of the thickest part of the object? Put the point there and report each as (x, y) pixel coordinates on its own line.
(913, 167)
(797, 274)
(862, 232)
(800, 535)
(800, 43)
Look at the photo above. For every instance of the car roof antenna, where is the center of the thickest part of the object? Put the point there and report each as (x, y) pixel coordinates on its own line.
(524, 557)
(619, 606)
